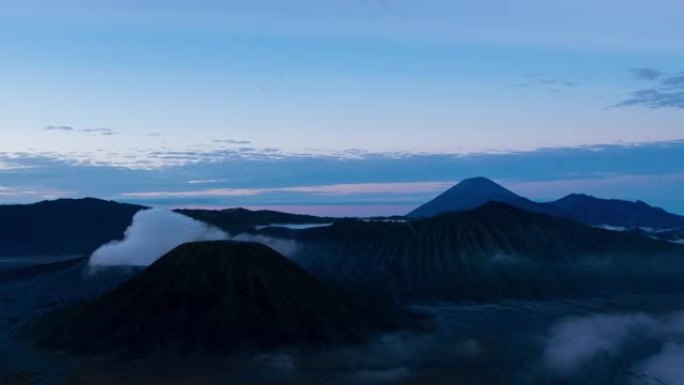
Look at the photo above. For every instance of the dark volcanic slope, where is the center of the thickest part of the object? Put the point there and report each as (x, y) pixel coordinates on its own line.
(615, 212)
(63, 226)
(239, 219)
(496, 250)
(212, 297)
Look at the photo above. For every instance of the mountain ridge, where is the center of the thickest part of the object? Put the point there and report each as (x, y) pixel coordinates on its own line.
(494, 251)
(239, 219)
(63, 226)
(589, 210)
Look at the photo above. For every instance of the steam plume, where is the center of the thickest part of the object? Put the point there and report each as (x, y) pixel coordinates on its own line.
(153, 233)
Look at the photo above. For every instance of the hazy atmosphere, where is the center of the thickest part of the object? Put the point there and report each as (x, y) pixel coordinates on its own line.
(342, 192)
(337, 103)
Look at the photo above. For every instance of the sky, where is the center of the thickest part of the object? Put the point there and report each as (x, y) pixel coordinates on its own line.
(340, 107)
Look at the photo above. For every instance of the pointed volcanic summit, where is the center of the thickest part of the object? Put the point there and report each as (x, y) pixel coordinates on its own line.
(211, 297)
(467, 195)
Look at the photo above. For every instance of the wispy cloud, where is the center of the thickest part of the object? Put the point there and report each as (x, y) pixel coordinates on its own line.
(666, 90)
(29, 194)
(206, 181)
(231, 141)
(7, 166)
(647, 73)
(58, 128)
(553, 83)
(99, 131)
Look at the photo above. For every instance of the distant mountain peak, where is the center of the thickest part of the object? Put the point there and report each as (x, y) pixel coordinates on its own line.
(469, 194)
(482, 185)
(472, 193)
(478, 180)
(236, 210)
(580, 195)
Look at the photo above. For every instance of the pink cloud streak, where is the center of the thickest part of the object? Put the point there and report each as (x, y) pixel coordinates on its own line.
(329, 190)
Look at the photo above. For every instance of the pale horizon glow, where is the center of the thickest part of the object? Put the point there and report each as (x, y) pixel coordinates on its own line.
(339, 103)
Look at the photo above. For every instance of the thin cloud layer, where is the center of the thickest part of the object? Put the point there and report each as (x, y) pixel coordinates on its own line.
(99, 131)
(330, 190)
(646, 73)
(652, 172)
(666, 90)
(232, 141)
(551, 83)
(58, 128)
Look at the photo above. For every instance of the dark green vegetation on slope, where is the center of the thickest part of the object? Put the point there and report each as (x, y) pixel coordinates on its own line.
(63, 226)
(213, 297)
(240, 219)
(474, 192)
(496, 250)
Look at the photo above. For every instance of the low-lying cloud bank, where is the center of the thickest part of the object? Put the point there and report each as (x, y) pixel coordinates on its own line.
(155, 232)
(640, 348)
(397, 358)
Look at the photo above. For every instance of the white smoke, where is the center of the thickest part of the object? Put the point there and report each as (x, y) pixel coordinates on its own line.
(155, 232)
(286, 247)
(152, 234)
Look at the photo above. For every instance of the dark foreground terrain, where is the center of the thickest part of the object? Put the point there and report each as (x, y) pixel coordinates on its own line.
(495, 295)
(617, 339)
(212, 297)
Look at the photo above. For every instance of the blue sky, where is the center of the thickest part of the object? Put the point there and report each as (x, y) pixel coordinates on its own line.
(357, 105)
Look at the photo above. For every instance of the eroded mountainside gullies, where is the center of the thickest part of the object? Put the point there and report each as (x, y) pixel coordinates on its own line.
(495, 251)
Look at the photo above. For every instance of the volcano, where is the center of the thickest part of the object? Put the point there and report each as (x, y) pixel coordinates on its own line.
(470, 194)
(212, 297)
